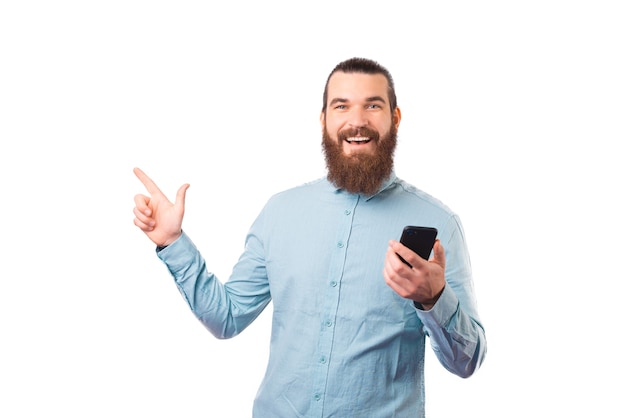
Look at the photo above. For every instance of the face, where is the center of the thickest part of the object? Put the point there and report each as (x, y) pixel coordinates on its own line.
(359, 131)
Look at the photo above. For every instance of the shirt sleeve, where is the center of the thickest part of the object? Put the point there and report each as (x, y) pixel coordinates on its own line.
(456, 333)
(225, 309)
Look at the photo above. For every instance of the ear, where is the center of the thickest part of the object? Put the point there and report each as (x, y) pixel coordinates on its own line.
(397, 115)
(322, 119)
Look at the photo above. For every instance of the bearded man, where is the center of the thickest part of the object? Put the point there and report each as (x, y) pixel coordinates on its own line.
(350, 318)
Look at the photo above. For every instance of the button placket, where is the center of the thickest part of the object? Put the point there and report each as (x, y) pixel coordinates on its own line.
(331, 304)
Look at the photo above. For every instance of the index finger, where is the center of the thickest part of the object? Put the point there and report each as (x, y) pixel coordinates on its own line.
(406, 254)
(147, 181)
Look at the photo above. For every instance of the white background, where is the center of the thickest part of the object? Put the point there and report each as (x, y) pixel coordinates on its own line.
(513, 115)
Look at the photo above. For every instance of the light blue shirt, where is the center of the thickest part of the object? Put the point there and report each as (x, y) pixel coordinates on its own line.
(343, 343)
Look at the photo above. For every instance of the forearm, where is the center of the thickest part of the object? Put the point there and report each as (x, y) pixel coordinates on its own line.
(213, 303)
(457, 339)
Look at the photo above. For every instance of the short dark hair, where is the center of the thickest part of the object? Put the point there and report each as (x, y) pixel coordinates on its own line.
(365, 66)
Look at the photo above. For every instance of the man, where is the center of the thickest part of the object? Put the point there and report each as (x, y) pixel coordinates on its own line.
(350, 319)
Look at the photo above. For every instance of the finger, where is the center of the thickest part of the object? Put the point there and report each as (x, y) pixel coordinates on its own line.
(394, 286)
(391, 259)
(407, 254)
(180, 198)
(143, 218)
(389, 268)
(392, 278)
(147, 181)
(141, 204)
(143, 226)
(439, 254)
(395, 270)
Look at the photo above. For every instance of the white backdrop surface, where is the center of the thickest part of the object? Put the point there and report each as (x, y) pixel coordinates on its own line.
(513, 115)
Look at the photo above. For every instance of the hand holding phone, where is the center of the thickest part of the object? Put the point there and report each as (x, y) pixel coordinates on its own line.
(419, 239)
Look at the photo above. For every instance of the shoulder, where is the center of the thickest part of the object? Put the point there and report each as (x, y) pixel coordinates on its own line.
(306, 189)
(413, 193)
(429, 210)
(304, 193)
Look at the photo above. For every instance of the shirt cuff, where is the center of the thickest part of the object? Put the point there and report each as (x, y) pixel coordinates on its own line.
(442, 311)
(177, 250)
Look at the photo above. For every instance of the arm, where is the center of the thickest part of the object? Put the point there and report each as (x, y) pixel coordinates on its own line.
(225, 309)
(448, 308)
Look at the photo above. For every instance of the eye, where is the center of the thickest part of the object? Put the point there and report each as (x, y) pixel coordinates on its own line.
(374, 106)
(341, 107)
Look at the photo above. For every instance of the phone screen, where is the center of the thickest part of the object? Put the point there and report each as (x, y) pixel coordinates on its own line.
(420, 239)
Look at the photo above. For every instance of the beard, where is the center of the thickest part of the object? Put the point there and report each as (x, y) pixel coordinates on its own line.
(360, 173)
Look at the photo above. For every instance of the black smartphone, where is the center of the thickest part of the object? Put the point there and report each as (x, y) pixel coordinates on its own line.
(420, 239)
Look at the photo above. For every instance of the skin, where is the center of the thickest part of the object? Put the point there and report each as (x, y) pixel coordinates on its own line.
(160, 219)
(354, 100)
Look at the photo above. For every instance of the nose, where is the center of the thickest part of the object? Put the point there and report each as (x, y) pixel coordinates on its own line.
(357, 118)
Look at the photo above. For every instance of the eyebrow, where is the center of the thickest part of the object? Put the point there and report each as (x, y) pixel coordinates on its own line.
(368, 100)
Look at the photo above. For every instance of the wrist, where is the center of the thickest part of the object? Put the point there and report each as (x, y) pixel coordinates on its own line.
(168, 242)
(426, 305)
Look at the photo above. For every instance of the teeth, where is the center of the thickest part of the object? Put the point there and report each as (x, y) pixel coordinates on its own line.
(358, 139)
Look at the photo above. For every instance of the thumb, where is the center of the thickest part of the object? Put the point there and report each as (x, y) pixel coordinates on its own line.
(180, 197)
(439, 254)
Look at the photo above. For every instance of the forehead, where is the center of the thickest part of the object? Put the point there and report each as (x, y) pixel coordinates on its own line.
(357, 86)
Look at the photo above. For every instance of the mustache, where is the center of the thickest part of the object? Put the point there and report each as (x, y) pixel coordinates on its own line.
(371, 133)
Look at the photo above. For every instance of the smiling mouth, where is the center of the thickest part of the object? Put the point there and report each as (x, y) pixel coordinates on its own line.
(358, 140)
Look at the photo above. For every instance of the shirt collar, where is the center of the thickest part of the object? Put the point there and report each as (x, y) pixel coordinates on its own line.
(385, 185)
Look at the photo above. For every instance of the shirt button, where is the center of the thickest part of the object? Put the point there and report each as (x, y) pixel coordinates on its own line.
(323, 360)
(317, 396)
(347, 211)
(340, 244)
(333, 283)
(328, 323)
